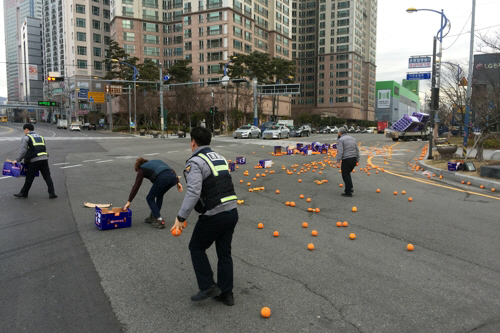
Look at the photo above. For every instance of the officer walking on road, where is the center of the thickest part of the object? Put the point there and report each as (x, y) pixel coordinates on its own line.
(348, 154)
(211, 193)
(36, 159)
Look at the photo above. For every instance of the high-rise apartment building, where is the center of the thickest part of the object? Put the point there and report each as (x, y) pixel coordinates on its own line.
(334, 47)
(76, 39)
(31, 74)
(15, 12)
(207, 32)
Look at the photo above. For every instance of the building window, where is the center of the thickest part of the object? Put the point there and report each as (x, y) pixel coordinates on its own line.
(96, 24)
(81, 50)
(97, 51)
(107, 27)
(98, 65)
(128, 12)
(97, 38)
(80, 9)
(153, 51)
(129, 36)
(150, 39)
(202, 70)
(96, 11)
(129, 48)
(81, 36)
(237, 45)
(128, 24)
(81, 64)
(81, 22)
(150, 27)
(105, 13)
(107, 40)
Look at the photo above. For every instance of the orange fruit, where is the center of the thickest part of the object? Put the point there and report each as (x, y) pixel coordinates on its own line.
(493, 189)
(345, 224)
(276, 233)
(403, 192)
(339, 224)
(257, 175)
(265, 312)
(305, 224)
(376, 172)
(248, 184)
(463, 181)
(310, 247)
(292, 203)
(176, 232)
(468, 183)
(300, 180)
(481, 186)
(352, 236)
(310, 210)
(410, 247)
(341, 185)
(254, 179)
(277, 191)
(241, 181)
(314, 233)
(395, 192)
(260, 225)
(317, 210)
(378, 190)
(410, 199)
(354, 209)
(287, 203)
(309, 199)
(301, 196)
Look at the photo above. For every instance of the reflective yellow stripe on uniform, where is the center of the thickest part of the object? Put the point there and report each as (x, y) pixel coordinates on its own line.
(226, 199)
(215, 169)
(37, 143)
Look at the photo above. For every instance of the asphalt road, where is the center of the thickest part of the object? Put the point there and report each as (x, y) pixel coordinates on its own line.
(59, 273)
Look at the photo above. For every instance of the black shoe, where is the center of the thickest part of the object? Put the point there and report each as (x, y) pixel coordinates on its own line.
(207, 293)
(52, 196)
(347, 194)
(21, 195)
(226, 298)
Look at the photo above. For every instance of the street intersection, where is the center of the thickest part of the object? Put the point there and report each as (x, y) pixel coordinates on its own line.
(59, 273)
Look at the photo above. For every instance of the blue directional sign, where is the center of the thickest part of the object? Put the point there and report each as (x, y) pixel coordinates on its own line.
(418, 76)
(166, 78)
(31, 110)
(83, 94)
(91, 99)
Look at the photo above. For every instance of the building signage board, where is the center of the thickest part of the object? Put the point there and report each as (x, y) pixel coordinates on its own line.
(33, 72)
(383, 99)
(419, 62)
(96, 97)
(83, 93)
(418, 76)
(113, 89)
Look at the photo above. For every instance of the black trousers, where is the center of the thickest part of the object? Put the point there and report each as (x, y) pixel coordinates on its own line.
(33, 168)
(347, 166)
(209, 229)
(163, 182)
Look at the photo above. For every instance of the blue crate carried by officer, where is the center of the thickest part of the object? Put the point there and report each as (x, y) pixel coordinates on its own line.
(115, 218)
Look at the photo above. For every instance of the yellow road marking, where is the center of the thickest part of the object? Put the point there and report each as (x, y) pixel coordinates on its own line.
(369, 162)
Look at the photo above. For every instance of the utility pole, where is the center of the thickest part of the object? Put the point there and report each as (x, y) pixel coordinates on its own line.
(255, 105)
(129, 109)
(468, 94)
(213, 113)
(162, 114)
(434, 97)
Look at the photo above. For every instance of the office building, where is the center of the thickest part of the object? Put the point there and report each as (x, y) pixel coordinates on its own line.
(15, 12)
(31, 75)
(334, 46)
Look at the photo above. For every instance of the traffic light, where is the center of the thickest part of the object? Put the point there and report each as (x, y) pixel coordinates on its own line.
(216, 111)
(158, 109)
(55, 79)
(212, 110)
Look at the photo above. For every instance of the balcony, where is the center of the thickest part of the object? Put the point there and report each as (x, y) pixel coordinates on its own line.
(187, 10)
(150, 17)
(187, 35)
(214, 5)
(149, 4)
(215, 57)
(214, 32)
(214, 45)
(214, 18)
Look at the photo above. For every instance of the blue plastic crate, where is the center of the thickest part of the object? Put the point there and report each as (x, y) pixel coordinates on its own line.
(241, 160)
(115, 218)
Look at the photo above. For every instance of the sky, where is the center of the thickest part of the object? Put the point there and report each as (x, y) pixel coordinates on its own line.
(399, 34)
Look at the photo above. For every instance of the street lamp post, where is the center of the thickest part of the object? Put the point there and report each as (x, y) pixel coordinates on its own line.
(134, 78)
(434, 88)
(225, 83)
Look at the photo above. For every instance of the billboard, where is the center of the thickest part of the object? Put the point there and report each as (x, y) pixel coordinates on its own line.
(383, 99)
(486, 69)
(419, 62)
(33, 72)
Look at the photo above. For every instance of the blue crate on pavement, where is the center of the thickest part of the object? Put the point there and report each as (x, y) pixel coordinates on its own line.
(115, 218)
(241, 160)
(232, 166)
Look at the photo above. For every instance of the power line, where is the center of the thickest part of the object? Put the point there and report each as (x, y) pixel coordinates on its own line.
(459, 33)
(468, 32)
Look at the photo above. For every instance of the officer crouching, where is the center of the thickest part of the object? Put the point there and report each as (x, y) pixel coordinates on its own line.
(210, 192)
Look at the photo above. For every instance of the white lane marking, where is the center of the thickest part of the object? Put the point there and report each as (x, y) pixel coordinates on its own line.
(220, 146)
(151, 154)
(6, 177)
(71, 166)
(173, 151)
(61, 163)
(233, 145)
(126, 157)
(188, 149)
(91, 160)
(104, 161)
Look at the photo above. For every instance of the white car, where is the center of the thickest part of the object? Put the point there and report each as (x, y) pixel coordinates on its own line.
(74, 128)
(276, 132)
(247, 131)
(370, 130)
(334, 129)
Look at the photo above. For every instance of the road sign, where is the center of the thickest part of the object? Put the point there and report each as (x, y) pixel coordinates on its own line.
(279, 89)
(166, 78)
(463, 82)
(47, 103)
(113, 89)
(419, 62)
(83, 93)
(97, 97)
(31, 110)
(418, 76)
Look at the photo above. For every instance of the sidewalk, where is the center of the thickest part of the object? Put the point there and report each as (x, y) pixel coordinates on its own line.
(459, 177)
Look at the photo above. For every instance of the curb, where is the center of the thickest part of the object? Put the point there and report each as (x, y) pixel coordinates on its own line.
(458, 177)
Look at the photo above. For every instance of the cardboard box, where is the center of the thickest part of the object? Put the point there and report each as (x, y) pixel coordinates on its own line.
(277, 149)
(266, 163)
(241, 160)
(115, 218)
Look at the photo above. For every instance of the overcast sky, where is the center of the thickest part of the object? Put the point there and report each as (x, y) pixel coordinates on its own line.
(399, 34)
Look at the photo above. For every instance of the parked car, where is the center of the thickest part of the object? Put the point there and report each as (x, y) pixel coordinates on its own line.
(370, 130)
(334, 129)
(351, 129)
(314, 130)
(276, 132)
(265, 125)
(92, 127)
(247, 131)
(304, 130)
(74, 127)
(324, 130)
(357, 130)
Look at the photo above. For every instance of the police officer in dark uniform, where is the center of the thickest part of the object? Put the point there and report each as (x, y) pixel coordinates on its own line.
(211, 193)
(36, 159)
